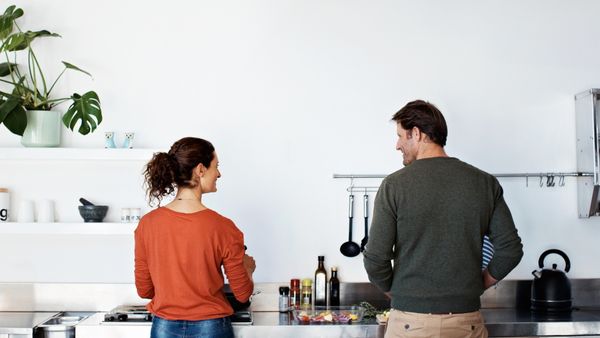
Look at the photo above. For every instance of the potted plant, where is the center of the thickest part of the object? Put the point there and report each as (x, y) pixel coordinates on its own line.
(26, 106)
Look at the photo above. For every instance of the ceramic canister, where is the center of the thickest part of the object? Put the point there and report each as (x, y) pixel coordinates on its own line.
(4, 204)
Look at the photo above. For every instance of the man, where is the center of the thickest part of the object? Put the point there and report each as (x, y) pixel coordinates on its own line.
(430, 218)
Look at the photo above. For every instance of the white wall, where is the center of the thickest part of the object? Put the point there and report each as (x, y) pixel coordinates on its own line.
(291, 92)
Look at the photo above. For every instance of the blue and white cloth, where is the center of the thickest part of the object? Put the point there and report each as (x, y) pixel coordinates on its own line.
(488, 252)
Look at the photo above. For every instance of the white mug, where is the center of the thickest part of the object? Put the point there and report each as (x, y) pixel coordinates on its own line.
(46, 211)
(26, 212)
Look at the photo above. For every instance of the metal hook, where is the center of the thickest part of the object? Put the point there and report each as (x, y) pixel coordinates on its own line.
(550, 180)
(526, 181)
(541, 180)
(561, 181)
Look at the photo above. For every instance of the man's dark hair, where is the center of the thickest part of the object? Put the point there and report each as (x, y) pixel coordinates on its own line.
(426, 117)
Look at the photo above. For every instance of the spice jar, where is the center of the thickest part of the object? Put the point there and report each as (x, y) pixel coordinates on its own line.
(284, 302)
(294, 293)
(306, 292)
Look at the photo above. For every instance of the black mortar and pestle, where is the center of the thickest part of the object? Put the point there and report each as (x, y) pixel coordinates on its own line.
(91, 212)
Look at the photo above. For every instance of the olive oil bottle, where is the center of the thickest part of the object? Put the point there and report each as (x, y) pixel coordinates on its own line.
(334, 288)
(320, 294)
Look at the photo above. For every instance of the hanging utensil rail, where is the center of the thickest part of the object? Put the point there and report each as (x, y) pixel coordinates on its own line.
(549, 176)
(558, 174)
(351, 176)
(362, 189)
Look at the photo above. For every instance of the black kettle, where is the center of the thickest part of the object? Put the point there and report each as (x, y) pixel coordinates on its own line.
(551, 289)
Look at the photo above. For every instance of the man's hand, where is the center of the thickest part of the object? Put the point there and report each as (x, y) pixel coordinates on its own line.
(488, 280)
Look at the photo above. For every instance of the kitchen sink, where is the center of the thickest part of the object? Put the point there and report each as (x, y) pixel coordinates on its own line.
(63, 320)
(61, 325)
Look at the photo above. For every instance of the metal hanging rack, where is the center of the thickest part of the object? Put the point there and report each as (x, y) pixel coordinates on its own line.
(548, 176)
(364, 189)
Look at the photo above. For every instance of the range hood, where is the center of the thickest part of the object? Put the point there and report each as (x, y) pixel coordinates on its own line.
(587, 120)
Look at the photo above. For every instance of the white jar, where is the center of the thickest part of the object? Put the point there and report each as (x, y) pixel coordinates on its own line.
(125, 215)
(135, 214)
(4, 205)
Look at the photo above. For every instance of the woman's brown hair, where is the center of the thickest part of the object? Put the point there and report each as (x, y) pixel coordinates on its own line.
(167, 171)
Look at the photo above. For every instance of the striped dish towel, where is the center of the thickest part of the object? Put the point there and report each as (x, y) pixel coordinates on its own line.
(488, 252)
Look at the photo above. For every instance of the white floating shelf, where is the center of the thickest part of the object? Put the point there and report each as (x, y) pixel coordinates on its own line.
(77, 154)
(103, 228)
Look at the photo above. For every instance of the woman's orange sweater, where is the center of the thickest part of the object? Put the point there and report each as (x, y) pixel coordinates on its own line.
(178, 261)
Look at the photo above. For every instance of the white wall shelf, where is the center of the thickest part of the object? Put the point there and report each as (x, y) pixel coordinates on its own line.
(77, 154)
(81, 228)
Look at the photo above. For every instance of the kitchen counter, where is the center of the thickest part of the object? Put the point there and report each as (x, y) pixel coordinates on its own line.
(500, 305)
(275, 324)
(266, 324)
(524, 323)
(500, 323)
(21, 323)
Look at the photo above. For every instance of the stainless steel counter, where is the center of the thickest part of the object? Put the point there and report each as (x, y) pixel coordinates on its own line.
(21, 323)
(504, 308)
(274, 324)
(524, 323)
(500, 323)
(92, 327)
(266, 324)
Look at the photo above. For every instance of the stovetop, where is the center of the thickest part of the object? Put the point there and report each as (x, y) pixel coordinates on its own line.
(139, 314)
(128, 313)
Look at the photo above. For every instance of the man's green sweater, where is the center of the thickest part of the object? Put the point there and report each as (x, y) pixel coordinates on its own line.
(430, 218)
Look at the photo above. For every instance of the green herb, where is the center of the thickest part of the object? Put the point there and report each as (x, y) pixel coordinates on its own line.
(370, 310)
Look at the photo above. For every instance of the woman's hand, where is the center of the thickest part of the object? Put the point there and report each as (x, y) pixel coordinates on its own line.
(249, 264)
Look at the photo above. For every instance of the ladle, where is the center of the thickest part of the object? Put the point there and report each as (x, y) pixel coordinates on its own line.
(350, 249)
(365, 239)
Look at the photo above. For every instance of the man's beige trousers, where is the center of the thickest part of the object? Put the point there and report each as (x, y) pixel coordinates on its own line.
(410, 324)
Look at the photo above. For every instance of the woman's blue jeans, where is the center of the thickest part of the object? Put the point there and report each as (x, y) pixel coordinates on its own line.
(213, 328)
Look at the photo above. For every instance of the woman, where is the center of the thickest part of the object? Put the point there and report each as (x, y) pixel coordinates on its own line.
(181, 248)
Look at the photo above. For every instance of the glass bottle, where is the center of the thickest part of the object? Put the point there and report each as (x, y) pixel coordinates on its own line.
(294, 293)
(334, 288)
(321, 283)
(306, 292)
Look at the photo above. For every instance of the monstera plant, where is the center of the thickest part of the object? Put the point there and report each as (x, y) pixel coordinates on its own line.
(24, 87)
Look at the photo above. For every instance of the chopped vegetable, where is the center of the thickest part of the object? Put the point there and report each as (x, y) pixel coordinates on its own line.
(342, 316)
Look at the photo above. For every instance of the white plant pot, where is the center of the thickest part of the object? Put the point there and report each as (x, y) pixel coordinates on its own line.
(43, 129)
